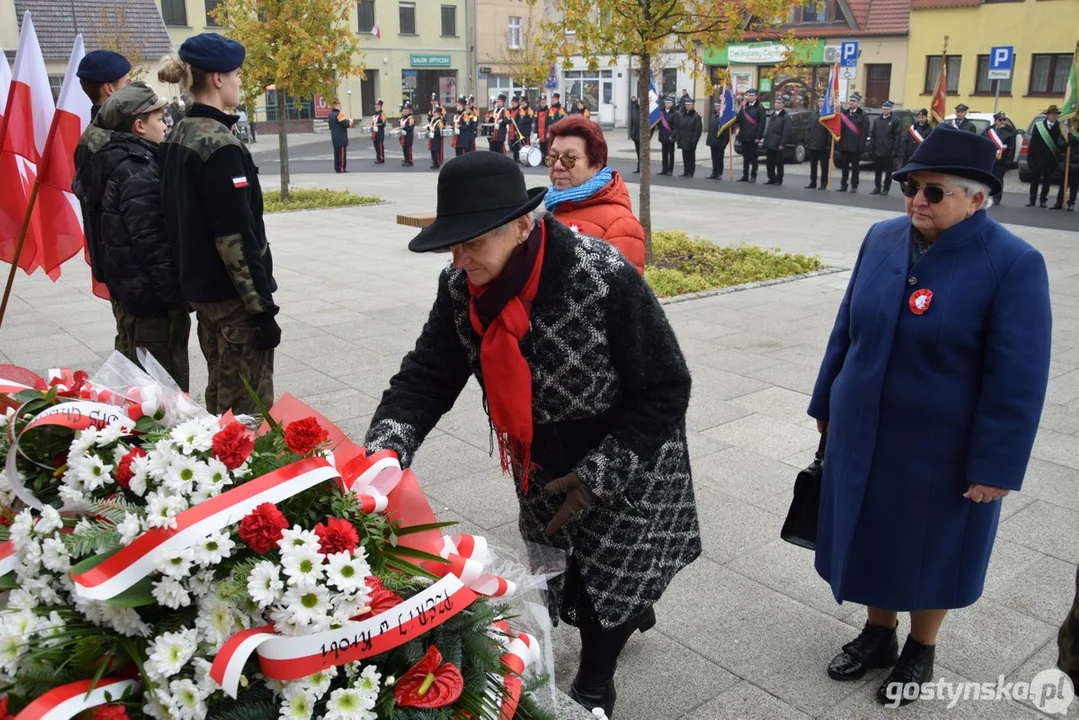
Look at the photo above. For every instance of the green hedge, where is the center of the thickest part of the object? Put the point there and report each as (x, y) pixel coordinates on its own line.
(306, 199)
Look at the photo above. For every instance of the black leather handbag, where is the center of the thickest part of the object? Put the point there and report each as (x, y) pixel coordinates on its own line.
(800, 527)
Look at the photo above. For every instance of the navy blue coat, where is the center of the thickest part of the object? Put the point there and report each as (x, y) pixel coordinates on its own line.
(920, 406)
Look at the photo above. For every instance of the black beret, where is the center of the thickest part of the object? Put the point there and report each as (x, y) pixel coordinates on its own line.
(102, 66)
(211, 52)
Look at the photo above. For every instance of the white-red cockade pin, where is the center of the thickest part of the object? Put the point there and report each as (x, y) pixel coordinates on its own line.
(920, 300)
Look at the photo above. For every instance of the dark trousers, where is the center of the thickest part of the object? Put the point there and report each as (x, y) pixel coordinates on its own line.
(340, 157)
(459, 151)
(883, 165)
(717, 159)
(668, 157)
(498, 146)
(515, 148)
(1068, 637)
(380, 149)
(818, 159)
(406, 150)
(164, 337)
(637, 151)
(750, 161)
(436, 152)
(689, 161)
(543, 149)
(1042, 177)
(998, 170)
(849, 161)
(1073, 187)
(774, 158)
(229, 335)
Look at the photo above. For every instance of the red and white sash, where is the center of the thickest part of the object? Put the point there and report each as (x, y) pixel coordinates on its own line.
(997, 141)
(916, 135)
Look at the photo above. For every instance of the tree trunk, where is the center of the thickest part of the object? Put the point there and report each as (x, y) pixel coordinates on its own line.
(644, 64)
(282, 139)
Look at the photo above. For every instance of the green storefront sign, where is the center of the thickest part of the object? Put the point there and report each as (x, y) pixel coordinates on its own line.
(809, 52)
(430, 61)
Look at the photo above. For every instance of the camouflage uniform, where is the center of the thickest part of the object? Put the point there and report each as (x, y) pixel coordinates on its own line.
(213, 212)
(93, 139)
(1068, 639)
(166, 341)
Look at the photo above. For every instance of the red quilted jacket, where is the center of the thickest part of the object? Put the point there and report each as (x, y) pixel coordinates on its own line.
(608, 215)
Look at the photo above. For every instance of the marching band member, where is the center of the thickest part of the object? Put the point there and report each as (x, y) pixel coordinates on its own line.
(378, 133)
(464, 128)
(434, 135)
(408, 128)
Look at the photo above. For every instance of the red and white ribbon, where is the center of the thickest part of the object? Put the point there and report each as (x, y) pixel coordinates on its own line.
(12, 386)
(521, 651)
(372, 478)
(69, 700)
(468, 557)
(916, 135)
(293, 657)
(7, 557)
(139, 559)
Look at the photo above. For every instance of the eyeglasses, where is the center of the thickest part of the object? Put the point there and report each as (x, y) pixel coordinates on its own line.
(568, 161)
(933, 193)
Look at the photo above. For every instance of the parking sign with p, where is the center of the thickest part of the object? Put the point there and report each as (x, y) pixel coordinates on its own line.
(848, 54)
(1001, 59)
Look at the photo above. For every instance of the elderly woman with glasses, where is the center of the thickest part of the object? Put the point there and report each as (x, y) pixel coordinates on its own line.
(586, 390)
(930, 390)
(585, 194)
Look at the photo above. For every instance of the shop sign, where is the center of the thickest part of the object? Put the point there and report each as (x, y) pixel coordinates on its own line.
(433, 61)
(757, 53)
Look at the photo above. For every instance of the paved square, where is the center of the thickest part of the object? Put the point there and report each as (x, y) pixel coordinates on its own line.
(746, 631)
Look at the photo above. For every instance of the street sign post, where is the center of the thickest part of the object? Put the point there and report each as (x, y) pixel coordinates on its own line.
(848, 54)
(1001, 61)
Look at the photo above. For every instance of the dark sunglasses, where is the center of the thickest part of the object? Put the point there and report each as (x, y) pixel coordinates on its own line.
(568, 161)
(933, 193)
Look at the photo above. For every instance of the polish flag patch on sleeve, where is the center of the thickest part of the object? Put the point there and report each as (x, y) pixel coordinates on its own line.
(239, 182)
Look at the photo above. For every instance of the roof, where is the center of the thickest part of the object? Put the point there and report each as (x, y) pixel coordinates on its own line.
(934, 4)
(57, 23)
(871, 17)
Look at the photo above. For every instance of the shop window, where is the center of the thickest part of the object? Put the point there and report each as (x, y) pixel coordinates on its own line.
(407, 11)
(1049, 74)
(984, 86)
(933, 63)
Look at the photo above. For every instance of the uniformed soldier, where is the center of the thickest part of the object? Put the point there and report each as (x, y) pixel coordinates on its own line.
(884, 146)
(818, 147)
(212, 204)
(464, 128)
(339, 125)
(120, 190)
(669, 124)
(526, 123)
(1003, 137)
(916, 134)
(718, 138)
(408, 129)
(378, 132)
(750, 122)
(854, 129)
(960, 121)
(434, 137)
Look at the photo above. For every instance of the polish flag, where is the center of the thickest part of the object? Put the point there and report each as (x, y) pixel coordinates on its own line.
(25, 129)
(59, 211)
(376, 31)
(5, 83)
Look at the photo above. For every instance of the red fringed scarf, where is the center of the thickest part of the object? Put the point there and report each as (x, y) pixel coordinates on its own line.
(500, 313)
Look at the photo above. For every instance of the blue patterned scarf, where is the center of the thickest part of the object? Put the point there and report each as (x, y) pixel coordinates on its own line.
(585, 190)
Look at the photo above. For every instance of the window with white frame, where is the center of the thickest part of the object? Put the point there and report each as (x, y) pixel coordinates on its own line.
(514, 33)
(503, 84)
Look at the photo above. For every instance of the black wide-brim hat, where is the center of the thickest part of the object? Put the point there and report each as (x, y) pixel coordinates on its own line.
(951, 151)
(477, 193)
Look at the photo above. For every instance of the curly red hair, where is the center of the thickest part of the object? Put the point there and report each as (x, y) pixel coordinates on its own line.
(579, 126)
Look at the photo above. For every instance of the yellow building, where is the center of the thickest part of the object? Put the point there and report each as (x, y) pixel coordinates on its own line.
(506, 43)
(1043, 33)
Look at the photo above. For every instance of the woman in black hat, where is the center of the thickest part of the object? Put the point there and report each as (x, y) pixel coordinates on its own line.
(586, 390)
(930, 391)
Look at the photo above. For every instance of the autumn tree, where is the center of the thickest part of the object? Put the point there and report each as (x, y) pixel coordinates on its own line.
(114, 32)
(301, 47)
(528, 62)
(644, 29)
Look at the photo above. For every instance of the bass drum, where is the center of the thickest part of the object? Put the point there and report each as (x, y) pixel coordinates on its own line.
(534, 157)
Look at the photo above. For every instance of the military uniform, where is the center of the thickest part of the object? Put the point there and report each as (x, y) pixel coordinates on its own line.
(884, 146)
(854, 128)
(502, 121)
(213, 214)
(669, 124)
(514, 133)
(717, 142)
(464, 129)
(1004, 139)
(526, 123)
(339, 125)
(1046, 145)
(543, 124)
(750, 122)
(916, 135)
(965, 123)
(408, 130)
(378, 133)
(818, 146)
(434, 142)
(689, 134)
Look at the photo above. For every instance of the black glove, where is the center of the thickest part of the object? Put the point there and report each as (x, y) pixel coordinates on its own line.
(271, 332)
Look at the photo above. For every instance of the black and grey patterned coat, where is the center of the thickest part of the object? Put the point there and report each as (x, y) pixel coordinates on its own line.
(610, 392)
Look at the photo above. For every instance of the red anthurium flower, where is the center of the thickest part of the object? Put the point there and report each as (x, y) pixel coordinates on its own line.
(303, 436)
(336, 535)
(429, 684)
(919, 301)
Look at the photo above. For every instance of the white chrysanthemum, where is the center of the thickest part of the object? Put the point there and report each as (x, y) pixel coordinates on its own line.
(207, 685)
(319, 683)
(216, 622)
(22, 623)
(28, 555)
(369, 683)
(168, 653)
(22, 599)
(21, 527)
(349, 704)
(82, 442)
(188, 702)
(215, 479)
(264, 584)
(83, 527)
(184, 473)
(213, 549)
(307, 605)
(303, 566)
(162, 509)
(90, 609)
(298, 539)
(45, 587)
(297, 705)
(345, 572)
(50, 629)
(192, 437)
(49, 521)
(201, 583)
(54, 555)
(125, 621)
(284, 623)
(171, 594)
(70, 494)
(243, 471)
(347, 606)
(157, 705)
(110, 434)
(177, 564)
(95, 473)
(129, 528)
(160, 458)
(12, 649)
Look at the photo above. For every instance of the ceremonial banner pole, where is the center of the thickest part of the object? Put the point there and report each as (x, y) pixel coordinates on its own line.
(730, 149)
(1063, 190)
(831, 155)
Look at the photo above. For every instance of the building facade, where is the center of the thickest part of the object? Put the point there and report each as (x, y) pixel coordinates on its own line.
(506, 49)
(1042, 32)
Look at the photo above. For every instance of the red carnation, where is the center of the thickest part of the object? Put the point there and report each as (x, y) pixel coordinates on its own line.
(124, 473)
(263, 528)
(3, 709)
(233, 445)
(111, 712)
(336, 535)
(305, 435)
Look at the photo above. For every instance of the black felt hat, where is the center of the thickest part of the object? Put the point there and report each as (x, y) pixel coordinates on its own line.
(952, 151)
(477, 193)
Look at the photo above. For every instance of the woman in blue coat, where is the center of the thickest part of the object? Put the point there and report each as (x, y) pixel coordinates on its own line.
(930, 391)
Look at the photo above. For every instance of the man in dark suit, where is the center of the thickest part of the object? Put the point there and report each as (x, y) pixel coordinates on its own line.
(776, 136)
(717, 141)
(1004, 138)
(960, 121)
(852, 137)
(750, 124)
(689, 134)
(1046, 142)
(669, 124)
(818, 145)
(339, 125)
(884, 146)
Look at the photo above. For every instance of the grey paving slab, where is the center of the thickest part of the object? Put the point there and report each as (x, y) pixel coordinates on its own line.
(744, 474)
(486, 498)
(1053, 483)
(1047, 528)
(765, 435)
(730, 527)
(745, 700)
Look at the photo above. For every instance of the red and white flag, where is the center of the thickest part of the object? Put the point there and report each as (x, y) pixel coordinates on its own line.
(23, 135)
(5, 83)
(60, 214)
(376, 31)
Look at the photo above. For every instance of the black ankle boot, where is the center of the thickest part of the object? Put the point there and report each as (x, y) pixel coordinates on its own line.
(915, 667)
(590, 698)
(875, 647)
(646, 620)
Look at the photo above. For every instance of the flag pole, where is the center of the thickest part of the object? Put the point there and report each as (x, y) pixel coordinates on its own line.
(1067, 165)
(730, 153)
(18, 251)
(831, 156)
